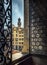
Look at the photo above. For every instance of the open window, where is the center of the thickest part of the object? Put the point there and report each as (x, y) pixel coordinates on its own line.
(20, 44)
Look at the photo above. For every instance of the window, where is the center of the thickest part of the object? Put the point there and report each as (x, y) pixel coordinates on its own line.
(16, 39)
(16, 42)
(19, 32)
(22, 39)
(20, 48)
(35, 23)
(16, 35)
(19, 42)
(16, 47)
(22, 42)
(18, 26)
(16, 31)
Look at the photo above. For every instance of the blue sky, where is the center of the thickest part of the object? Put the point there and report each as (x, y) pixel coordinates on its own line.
(17, 11)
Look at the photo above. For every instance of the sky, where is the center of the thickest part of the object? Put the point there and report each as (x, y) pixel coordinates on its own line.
(17, 11)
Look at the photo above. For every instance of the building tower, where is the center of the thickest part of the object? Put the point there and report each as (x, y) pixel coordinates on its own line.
(19, 22)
